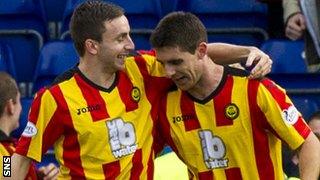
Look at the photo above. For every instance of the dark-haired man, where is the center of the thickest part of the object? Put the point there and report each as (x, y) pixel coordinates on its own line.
(220, 123)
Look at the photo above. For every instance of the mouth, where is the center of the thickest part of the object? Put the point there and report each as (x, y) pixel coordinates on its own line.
(122, 56)
(179, 80)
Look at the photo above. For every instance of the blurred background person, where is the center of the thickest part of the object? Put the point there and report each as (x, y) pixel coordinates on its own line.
(295, 28)
(10, 110)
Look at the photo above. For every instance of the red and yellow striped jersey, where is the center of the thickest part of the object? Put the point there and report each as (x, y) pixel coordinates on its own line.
(236, 132)
(7, 148)
(99, 133)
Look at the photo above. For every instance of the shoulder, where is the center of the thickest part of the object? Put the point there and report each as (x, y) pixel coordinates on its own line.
(64, 76)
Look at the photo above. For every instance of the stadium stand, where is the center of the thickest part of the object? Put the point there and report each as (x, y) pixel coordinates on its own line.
(23, 27)
(55, 58)
(142, 15)
(287, 55)
(54, 12)
(240, 22)
(6, 60)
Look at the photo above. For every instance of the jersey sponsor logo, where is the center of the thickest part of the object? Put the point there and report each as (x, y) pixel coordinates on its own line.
(88, 109)
(184, 117)
(290, 115)
(122, 137)
(135, 94)
(213, 149)
(231, 111)
(30, 130)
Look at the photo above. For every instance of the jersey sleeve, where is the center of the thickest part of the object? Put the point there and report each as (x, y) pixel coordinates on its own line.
(282, 117)
(43, 127)
(152, 71)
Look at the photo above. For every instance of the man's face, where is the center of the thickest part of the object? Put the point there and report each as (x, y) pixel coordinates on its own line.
(181, 66)
(116, 43)
(315, 127)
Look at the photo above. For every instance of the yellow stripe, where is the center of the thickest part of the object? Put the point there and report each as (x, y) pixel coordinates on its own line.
(274, 117)
(83, 126)
(46, 111)
(153, 66)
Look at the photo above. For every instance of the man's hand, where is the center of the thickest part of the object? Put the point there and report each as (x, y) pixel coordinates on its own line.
(295, 27)
(48, 172)
(260, 61)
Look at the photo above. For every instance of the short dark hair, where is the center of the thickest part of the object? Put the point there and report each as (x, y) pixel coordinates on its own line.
(87, 21)
(179, 29)
(8, 90)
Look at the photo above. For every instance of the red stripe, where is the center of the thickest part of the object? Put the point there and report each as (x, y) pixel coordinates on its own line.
(111, 170)
(125, 88)
(150, 166)
(221, 101)
(206, 175)
(164, 126)
(93, 99)
(8, 146)
(260, 138)
(24, 142)
(188, 110)
(71, 146)
(137, 165)
(280, 97)
(233, 174)
(149, 52)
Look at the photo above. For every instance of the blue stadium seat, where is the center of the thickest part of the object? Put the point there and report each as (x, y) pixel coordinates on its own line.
(6, 60)
(240, 22)
(302, 88)
(287, 56)
(23, 26)
(55, 58)
(26, 104)
(54, 9)
(143, 16)
(306, 105)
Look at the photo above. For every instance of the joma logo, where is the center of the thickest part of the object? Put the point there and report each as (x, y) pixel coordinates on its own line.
(88, 109)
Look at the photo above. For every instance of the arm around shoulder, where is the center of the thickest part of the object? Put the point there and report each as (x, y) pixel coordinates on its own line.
(309, 158)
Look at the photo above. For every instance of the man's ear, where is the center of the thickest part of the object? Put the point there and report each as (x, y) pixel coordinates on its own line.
(91, 46)
(202, 50)
(10, 107)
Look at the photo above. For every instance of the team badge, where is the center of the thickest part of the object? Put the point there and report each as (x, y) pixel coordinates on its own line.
(135, 94)
(30, 130)
(290, 115)
(232, 111)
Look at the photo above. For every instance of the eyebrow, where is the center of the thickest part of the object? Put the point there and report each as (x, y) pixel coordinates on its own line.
(122, 34)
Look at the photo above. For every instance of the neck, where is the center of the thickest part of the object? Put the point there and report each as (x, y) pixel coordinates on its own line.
(96, 73)
(5, 125)
(209, 80)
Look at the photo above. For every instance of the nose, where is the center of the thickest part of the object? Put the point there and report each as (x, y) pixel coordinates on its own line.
(130, 44)
(170, 70)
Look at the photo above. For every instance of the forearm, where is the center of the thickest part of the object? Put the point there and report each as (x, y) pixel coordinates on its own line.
(290, 7)
(309, 158)
(20, 166)
(223, 53)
